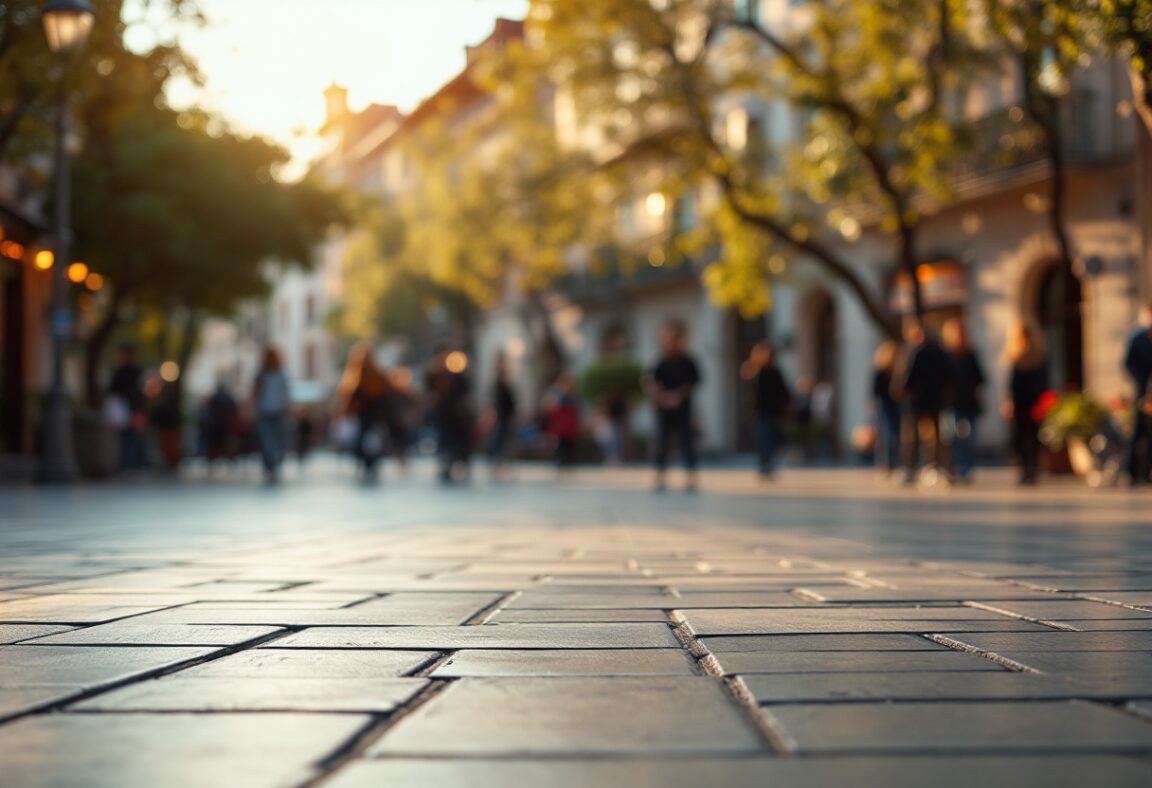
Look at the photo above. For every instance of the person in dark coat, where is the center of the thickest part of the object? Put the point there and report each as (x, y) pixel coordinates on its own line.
(967, 385)
(218, 424)
(503, 416)
(368, 398)
(670, 386)
(127, 388)
(772, 402)
(449, 389)
(1138, 363)
(1027, 383)
(924, 388)
(888, 410)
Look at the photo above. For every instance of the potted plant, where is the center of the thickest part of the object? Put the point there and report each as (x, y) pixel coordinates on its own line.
(1070, 424)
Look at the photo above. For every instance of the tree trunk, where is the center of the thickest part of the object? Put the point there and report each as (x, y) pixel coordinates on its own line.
(11, 123)
(910, 265)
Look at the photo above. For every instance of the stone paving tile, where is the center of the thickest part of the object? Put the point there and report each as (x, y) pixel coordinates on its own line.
(1111, 625)
(1097, 583)
(105, 750)
(14, 633)
(579, 616)
(738, 599)
(806, 643)
(753, 772)
(1040, 726)
(577, 600)
(1072, 610)
(176, 693)
(513, 636)
(403, 609)
(1007, 643)
(575, 715)
(142, 633)
(40, 611)
(851, 661)
(87, 665)
(1087, 662)
(606, 662)
(1137, 598)
(960, 593)
(912, 620)
(21, 698)
(298, 663)
(915, 686)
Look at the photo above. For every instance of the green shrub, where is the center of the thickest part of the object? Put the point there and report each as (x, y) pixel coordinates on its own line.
(617, 374)
(1073, 416)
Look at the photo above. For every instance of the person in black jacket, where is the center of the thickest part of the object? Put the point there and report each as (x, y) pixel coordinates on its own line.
(503, 416)
(772, 401)
(888, 410)
(1138, 363)
(670, 385)
(924, 388)
(967, 385)
(1027, 382)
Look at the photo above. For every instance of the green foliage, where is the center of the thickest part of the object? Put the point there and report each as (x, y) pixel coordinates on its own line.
(614, 375)
(1073, 416)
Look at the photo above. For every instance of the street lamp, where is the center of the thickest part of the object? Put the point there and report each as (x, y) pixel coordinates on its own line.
(67, 24)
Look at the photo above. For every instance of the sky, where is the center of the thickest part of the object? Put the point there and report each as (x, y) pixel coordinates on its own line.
(267, 62)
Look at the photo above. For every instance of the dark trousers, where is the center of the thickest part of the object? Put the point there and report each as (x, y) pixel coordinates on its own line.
(566, 452)
(1026, 442)
(964, 440)
(1140, 447)
(922, 430)
(675, 426)
(888, 436)
(767, 441)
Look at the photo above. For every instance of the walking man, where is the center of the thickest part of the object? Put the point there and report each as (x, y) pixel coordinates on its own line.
(1138, 362)
(671, 385)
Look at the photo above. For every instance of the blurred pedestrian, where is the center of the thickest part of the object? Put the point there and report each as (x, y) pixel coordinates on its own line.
(967, 378)
(218, 424)
(670, 385)
(1138, 363)
(449, 389)
(924, 389)
(1028, 381)
(367, 395)
(271, 403)
(503, 417)
(126, 390)
(562, 416)
(613, 434)
(305, 429)
(405, 413)
(772, 401)
(887, 407)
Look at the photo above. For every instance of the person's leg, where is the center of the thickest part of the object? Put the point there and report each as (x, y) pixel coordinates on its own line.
(910, 441)
(688, 448)
(663, 439)
(763, 445)
(1030, 449)
(892, 418)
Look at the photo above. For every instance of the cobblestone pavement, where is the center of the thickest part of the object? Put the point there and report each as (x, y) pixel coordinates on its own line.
(825, 631)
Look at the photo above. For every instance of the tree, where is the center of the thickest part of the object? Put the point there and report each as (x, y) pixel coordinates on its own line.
(183, 217)
(867, 91)
(29, 71)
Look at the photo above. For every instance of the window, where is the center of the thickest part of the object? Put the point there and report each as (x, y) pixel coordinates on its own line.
(748, 11)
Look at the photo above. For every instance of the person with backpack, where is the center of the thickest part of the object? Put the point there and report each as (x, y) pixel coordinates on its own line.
(272, 401)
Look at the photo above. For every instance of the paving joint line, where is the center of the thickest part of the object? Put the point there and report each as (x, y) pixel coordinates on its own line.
(1000, 611)
(1002, 661)
(149, 675)
(354, 748)
(484, 615)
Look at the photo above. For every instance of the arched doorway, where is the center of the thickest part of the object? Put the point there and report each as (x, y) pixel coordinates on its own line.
(1057, 307)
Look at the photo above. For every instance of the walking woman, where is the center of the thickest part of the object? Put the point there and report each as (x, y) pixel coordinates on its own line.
(967, 382)
(888, 412)
(1028, 380)
(367, 392)
(771, 403)
(272, 402)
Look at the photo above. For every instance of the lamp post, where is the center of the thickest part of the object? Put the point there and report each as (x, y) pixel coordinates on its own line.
(67, 24)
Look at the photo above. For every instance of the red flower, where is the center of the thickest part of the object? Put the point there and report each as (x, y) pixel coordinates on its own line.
(1048, 400)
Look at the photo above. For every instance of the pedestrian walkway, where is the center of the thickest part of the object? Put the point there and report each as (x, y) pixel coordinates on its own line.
(214, 633)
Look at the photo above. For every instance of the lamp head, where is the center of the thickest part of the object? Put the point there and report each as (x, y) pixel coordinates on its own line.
(67, 24)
